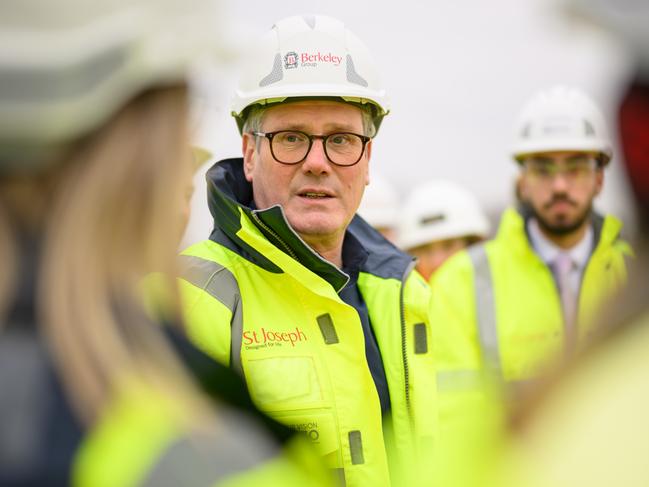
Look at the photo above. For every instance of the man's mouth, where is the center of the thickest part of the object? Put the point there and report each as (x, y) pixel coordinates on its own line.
(314, 195)
(560, 203)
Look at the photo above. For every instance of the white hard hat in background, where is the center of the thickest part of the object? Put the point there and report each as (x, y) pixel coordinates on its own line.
(561, 119)
(309, 56)
(628, 20)
(380, 203)
(440, 210)
(67, 66)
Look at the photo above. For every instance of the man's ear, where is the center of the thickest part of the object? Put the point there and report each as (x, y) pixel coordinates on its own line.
(521, 187)
(599, 180)
(368, 151)
(248, 148)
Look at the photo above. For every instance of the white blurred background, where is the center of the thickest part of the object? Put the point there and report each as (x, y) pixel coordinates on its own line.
(457, 73)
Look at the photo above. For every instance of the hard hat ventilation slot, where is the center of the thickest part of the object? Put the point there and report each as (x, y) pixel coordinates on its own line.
(525, 133)
(352, 75)
(275, 75)
(310, 20)
(429, 220)
(589, 129)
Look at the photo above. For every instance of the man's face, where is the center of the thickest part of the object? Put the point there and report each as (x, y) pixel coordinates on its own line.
(560, 188)
(319, 198)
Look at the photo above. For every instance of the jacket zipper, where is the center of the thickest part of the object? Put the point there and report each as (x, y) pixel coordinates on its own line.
(268, 229)
(289, 251)
(404, 345)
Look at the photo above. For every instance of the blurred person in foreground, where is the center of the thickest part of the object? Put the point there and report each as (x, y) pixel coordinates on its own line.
(440, 218)
(93, 156)
(589, 427)
(324, 318)
(380, 206)
(505, 310)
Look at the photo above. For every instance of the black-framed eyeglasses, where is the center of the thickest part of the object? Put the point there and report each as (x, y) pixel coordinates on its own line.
(293, 146)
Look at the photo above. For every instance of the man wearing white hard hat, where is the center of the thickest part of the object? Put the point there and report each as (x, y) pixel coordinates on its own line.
(325, 319)
(439, 219)
(598, 407)
(517, 303)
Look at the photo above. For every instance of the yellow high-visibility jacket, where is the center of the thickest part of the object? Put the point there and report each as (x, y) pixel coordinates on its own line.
(150, 431)
(499, 303)
(587, 430)
(252, 300)
(496, 313)
(148, 437)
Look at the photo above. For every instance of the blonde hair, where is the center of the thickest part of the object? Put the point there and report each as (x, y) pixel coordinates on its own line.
(108, 222)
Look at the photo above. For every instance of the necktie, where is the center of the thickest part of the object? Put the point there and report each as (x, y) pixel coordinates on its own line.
(562, 266)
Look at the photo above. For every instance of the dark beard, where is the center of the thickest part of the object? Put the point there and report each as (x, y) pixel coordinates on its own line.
(561, 229)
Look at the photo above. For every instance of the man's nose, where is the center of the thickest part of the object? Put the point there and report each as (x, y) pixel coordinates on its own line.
(560, 181)
(316, 160)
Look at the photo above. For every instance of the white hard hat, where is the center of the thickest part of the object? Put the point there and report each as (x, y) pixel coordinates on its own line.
(380, 203)
(628, 21)
(561, 119)
(309, 56)
(67, 66)
(439, 210)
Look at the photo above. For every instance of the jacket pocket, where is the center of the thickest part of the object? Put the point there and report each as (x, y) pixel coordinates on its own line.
(279, 383)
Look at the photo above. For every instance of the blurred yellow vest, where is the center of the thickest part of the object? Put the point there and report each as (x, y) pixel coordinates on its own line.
(497, 319)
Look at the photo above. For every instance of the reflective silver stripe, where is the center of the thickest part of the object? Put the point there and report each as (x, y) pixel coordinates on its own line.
(234, 445)
(421, 340)
(458, 380)
(236, 337)
(356, 447)
(485, 308)
(327, 329)
(221, 284)
(27, 395)
(339, 477)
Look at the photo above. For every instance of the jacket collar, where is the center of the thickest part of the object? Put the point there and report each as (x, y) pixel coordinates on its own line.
(230, 194)
(513, 228)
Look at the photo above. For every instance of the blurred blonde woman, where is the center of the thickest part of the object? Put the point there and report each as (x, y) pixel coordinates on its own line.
(94, 158)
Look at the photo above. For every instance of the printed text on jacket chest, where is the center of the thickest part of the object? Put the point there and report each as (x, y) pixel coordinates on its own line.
(265, 338)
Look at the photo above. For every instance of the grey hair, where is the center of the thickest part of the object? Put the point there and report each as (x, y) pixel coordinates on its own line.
(254, 120)
(256, 113)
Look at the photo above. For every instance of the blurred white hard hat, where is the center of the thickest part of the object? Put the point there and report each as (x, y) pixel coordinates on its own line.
(627, 20)
(380, 203)
(440, 210)
(310, 56)
(561, 119)
(67, 66)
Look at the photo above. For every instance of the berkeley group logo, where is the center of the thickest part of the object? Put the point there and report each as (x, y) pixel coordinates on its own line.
(305, 59)
(290, 60)
(268, 338)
